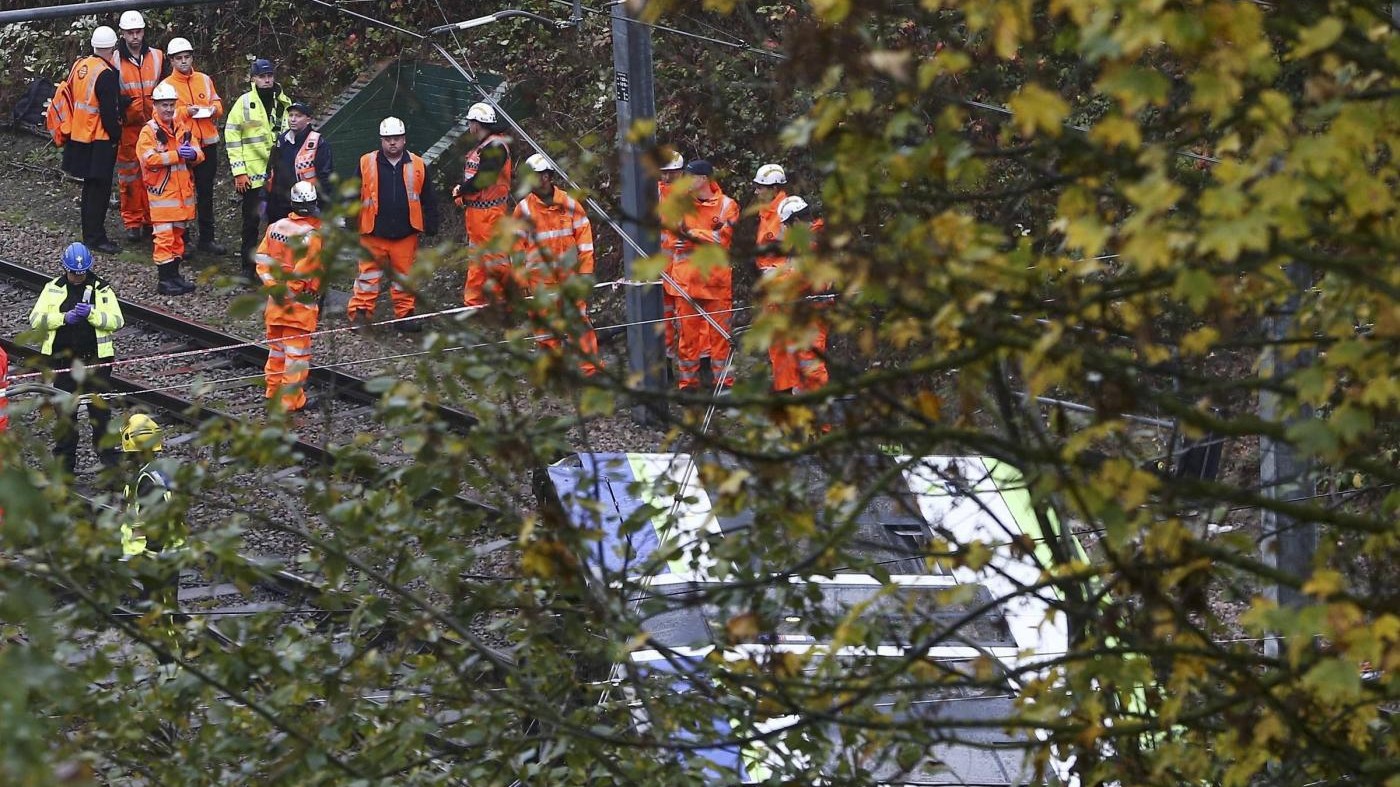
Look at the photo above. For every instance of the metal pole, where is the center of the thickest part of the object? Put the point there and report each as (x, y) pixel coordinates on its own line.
(94, 8)
(1286, 543)
(636, 103)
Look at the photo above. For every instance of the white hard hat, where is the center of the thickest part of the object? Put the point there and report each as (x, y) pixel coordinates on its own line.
(164, 92)
(391, 127)
(538, 163)
(303, 191)
(677, 162)
(178, 45)
(104, 37)
(770, 175)
(132, 20)
(790, 206)
(482, 113)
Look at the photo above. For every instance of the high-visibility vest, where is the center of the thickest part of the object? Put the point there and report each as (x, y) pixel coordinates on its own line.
(304, 164)
(138, 81)
(290, 253)
(87, 116)
(556, 240)
(133, 526)
(106, 317)
(710, 222)
(770, 234)
(197, 89)
(249, 136)
(4, 390)
(415, 174)
(169, 182)
(495, 194)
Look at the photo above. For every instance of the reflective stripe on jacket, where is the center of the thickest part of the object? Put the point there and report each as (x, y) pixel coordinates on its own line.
(304, 165)
(770, 235)
(105, 319)
(496, 193)
(169, 182)
(414, 176)
(249, 135)
(137, 83)
(557, 240)
(197, 89)
(710, 222)
(290, 254)
(87, 116)
(133, 525)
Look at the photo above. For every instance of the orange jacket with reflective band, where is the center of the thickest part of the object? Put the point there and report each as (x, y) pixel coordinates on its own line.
(414, 175)
(557, 240)
(169, 182)
(788, 283)
(770, 235)
(4, 384)
(290, 254)
(304, 165)
(138, 81)
(197, 89)
(496, 193)
(710, 222)
(87, 119)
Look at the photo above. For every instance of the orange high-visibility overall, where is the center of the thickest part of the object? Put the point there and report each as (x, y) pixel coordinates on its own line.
(169, 184)
(138, 80)
(711, 222)
(557, 243)
(481, 210)
(770, 235)
(397, 254)
(798, 354)
(290, 259)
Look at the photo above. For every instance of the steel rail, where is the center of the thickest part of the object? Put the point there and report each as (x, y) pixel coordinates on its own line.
(346, 386)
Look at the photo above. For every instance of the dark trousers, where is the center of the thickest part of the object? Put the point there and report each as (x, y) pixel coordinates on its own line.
(96, 194)
(65, 443)
(252, 222)
(204, 192)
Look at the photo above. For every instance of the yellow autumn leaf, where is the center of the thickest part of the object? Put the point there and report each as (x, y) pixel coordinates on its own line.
(1038, 109)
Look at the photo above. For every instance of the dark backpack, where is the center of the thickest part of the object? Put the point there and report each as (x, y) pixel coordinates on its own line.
(28, 114)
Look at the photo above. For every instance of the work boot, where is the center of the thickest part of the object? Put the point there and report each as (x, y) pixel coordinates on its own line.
(106, 246)
(134, 234)
(212, 247)
(410, 326)
(169, 280)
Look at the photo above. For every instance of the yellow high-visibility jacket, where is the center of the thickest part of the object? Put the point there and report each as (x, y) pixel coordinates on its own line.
(250, 135)
(105, 319)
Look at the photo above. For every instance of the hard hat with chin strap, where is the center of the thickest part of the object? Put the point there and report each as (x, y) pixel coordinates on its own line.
(142, 433)
(789, 207)
(302, 193)
(132, 20)
(770, 175)
(104, 37)
(179, 46)
(164, 92)
(392, 127)
(482, 113)
(77, 258)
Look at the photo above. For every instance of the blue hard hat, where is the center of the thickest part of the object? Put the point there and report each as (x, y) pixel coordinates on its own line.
(77, 258)
(263, 66)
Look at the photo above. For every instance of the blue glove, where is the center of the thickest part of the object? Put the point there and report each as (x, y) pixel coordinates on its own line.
(83, 310)
(72, 317)
(186, 151)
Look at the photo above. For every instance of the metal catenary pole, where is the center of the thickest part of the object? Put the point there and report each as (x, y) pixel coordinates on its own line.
(636, 103)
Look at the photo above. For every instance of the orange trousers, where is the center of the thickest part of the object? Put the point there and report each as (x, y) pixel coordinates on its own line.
(587, 343)
(169, 241)
(668, 311)
(698, 338)
(396, 254)
(136, 208)
(288, 364)
(796, 367)
(481, 223)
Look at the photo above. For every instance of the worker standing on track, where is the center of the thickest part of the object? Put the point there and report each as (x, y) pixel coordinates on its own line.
(669, 172)
(142, 68)
(79, 312)
(768, 187)
(4, 390)
(302, 155)
(167, 150)
(289, 265)
(797, 353)
(556, 244)
(250, 134)
(397, 203)
(152, 526)
(199, 104)
(482, 195)
(709, 222)
(90, 153)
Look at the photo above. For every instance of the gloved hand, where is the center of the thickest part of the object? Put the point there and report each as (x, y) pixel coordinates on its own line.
(71, 317)
(240, 183)
(83, 310)
(186, 151)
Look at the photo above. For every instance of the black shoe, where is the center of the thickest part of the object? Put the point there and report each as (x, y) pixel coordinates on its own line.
(212, 247)
(409, 326)
(106, 247)
(134, 234)
(250, 273)
(171, 283)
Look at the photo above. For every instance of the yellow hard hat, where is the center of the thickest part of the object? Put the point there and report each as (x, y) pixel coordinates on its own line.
(142, 433)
